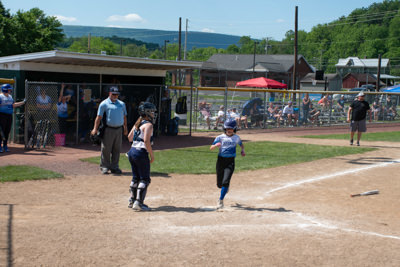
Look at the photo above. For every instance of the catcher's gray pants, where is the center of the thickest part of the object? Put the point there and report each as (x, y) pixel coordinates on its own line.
(111, 147)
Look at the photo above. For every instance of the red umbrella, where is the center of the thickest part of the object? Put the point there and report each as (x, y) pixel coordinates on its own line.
(262, 83)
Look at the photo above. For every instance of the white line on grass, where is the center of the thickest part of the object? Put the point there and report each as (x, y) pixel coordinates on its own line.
(333, 175)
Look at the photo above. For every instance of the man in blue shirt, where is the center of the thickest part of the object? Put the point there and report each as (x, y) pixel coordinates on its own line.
(116, 124)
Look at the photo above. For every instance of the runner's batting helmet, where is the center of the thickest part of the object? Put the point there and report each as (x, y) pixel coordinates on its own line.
(230, 124)
(5, 87)
(148, 110)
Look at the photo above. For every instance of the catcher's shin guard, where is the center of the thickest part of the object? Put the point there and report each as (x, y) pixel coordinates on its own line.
(141, 192)
(133, 191)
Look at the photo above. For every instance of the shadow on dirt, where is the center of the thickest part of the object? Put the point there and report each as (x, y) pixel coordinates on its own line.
(370, 160)
(184, 209)
(248, 208)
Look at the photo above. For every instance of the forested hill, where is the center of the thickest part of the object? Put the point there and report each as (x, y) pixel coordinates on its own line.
(194, 39)
(365, 33)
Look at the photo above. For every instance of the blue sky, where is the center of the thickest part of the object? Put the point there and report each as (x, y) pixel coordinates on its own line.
(254, 18)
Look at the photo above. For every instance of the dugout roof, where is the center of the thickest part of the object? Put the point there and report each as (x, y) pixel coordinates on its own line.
(55, 57)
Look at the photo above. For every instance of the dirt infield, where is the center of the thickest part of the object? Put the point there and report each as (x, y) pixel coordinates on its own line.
(297, 215)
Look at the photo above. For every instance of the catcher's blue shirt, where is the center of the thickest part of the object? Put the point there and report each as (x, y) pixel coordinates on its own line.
(228, 145)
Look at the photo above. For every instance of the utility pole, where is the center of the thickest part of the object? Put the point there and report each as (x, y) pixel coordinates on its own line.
(295, 50)
(179, 49)
(88, 44)
(254, 57)
(120, 46)
(266, 45)
(165, 48)
(186, 34)
(378, 76)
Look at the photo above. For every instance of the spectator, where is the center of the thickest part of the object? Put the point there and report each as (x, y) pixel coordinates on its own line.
(358, 111)
(234, 115)
(376, 108)
(116, 125)
(204, 108)
(324, 102)
(7, 106)
(220, 117)
(62, 110)
(306, 107)
(391, 109)
(288, 113)
(314, 114)
(255, 115)
(274, 113)
(340, 104)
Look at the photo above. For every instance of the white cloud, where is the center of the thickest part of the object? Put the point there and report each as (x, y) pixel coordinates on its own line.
(115, 26)
(280, 20)
(207, 30)
(67, 19)
(126, 18)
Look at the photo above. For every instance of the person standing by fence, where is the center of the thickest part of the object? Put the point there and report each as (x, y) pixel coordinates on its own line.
(358, 111)
(116, 125)
(7, 106)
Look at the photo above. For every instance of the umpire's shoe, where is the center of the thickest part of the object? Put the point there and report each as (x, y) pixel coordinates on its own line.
(116, 171)
(104, 170)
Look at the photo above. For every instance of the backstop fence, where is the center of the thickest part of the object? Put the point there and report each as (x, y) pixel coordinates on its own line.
(255, 108)
(59, 113)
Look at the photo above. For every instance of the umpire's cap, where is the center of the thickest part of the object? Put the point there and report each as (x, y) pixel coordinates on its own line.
(114, 90)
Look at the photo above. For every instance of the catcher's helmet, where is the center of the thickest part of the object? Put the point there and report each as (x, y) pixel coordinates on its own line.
(5, 87)
(230, 124)
(148, 110)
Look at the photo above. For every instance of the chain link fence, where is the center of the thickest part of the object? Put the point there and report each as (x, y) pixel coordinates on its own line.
(64, 113)
(208, 107)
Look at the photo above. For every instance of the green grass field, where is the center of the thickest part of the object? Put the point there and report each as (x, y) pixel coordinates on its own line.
(15, 173)
(259, 155)
(381, 136)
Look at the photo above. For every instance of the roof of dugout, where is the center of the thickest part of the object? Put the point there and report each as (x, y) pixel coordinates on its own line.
(61, 61)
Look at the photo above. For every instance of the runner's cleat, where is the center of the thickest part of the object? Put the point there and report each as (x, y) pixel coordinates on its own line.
(351, 142)
(220, 204)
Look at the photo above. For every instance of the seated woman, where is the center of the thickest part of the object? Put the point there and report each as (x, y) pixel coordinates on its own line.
(204, 108)
(255, 115)
(274, 113)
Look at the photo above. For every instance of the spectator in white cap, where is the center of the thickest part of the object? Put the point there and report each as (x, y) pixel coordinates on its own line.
(358, 111)
(340, 103)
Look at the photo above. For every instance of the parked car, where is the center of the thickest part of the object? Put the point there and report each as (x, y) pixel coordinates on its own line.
(357, 90)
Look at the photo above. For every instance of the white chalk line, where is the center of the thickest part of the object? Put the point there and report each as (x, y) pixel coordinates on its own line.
(333, 175)
(312, 222)
(333, 227)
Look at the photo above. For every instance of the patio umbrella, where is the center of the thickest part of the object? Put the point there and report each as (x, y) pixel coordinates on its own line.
(392, 89)
(249, 104)
(262, 82)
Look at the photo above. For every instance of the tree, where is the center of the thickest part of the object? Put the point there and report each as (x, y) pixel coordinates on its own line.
(27, 32)
(97, 45)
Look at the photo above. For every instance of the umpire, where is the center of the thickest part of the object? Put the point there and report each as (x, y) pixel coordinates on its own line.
(116, 124)
(358, 111)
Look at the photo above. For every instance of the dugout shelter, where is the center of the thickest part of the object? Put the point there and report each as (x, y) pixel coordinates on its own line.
(140, 77)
